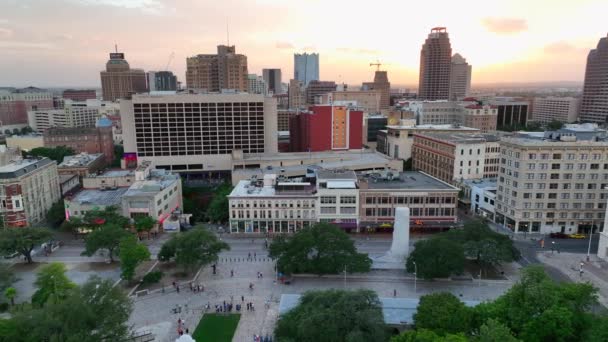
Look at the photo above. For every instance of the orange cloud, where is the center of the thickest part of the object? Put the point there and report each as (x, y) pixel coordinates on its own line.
(504, 25)
(284, 45)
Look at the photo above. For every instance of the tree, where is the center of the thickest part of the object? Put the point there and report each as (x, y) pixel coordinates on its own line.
(7, 276)
(107, 237)
(10, 294)
(436, 258)
(23, 240)
(533, 126)
(408, 165)
(598, 331)
(119, 150)
(320, 249)
(108, 215)
(26, 130)
(94, 312)
(494, 331)
(424, 335)
(52, 282)
(443, 313)
(144, 224)
(73, 225)
(56, 215)
(193, 249)
(132, 254)
(333, 315)
(57, 153)
(554, 125)
(218, 208)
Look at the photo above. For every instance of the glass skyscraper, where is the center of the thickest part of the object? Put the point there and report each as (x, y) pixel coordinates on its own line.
(306, 67)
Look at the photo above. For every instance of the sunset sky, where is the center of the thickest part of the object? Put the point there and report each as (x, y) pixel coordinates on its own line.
(66, 42)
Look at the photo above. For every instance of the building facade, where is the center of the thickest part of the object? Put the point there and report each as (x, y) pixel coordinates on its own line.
(383, 86)
(215, 72)
(511, 113)
(460, 78)
(455, 157)
(90, 140)
(552, 184)
(482, 117)
(155, 193)
(552, 108)
(28, 189)
(73, 114)
(256, 85)
(15, 103)
(119, 80)
(368, 100)
(306, 67)
(79, 94)
(594, 103)
(318, 88)
(296, 95)
(161, 81)
(81, 165)
(273, 80)
(326, 128)
(435, 112)
(198, 132)
(435, 66)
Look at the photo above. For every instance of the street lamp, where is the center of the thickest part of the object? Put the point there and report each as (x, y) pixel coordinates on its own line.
(589, 247)
(415, 273)
(345, 277)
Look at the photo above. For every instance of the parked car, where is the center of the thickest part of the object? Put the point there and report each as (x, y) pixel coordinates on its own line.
(558, 236)
(577, 236)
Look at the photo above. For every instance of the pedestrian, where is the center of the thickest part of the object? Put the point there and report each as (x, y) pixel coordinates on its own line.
(187, 331)
(198, 287)
(232, 273)
(191, 288)
(254, 255)
(173, 284)
(247, 306)
(252, 308)
(230, 299)
(261, 276)
(177, 288)
(242, 298)
(248, 255)
(394, 293)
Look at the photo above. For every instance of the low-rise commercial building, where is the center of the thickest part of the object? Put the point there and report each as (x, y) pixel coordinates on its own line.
(368, 100)
(68, 184)
(89, 140)
(553, 108)
(338, 195)
(155, 193)
(28, 189)
(86, 200)
(482, 117)
(82, 164)
(25, 142)
(109, 179)
(480, 195)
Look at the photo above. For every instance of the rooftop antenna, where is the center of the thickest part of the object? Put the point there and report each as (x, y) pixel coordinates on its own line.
(227, 34)
(377, 64)
(116, 47)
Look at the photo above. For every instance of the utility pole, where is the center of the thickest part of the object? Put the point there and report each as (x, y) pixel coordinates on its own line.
(345, 277)
(589, 247)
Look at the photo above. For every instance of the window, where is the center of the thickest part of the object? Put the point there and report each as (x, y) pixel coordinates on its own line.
(540, 195)
(552, 195)
(328, 210)
(555, 166)
(532, 156)
(557, 156)
(328, 200)
(348, 199)
(541, 185)
(565, 195)
(567, 176)
(567, 186)
(594, 166)
(531, 166)
(348, 210)
(555, 176)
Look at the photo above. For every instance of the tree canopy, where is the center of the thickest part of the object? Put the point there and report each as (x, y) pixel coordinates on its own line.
(320, 249)
(93, 312)
(23, 240)
(192, 249)
(56, 215)
(7, 276)
(554, 125)
(218, 208)
(106, 237)
(144, 223)
(436, 257)
(52, 284)
(333, 316)
(443, 313)
(53, 153)
(132, 253)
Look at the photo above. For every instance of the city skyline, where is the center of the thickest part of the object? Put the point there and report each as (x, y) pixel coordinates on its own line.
(506, 41)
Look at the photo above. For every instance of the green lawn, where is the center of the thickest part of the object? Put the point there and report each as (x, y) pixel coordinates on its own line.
(216, 328)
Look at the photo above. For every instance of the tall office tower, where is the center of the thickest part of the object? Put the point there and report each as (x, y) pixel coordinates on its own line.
(119, 80)
(460, 78)
(162, 81)
(296, 94)
(594, 105)
(272, 77)
(198, 132)
(224, 70)
(382, 85)
(306, 67)
(435, 65)
(256, 85)
(318, 88)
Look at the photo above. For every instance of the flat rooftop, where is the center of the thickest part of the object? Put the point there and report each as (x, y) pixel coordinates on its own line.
(150, 187)
(408, 180)
(290, 188)
(336, 174)
(99, 197)
(431, 127)
(22, 167)
(486, 183)
(80, 160)
(462, 138)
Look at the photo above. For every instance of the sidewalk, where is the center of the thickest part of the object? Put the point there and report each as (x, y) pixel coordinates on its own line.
(595, 271)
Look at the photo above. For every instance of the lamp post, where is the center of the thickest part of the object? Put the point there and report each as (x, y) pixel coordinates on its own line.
(415, 273)
(589, 247)
(345, 277)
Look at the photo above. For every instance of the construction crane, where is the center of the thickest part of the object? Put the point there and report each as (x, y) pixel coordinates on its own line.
(169, 61)
(377, 64)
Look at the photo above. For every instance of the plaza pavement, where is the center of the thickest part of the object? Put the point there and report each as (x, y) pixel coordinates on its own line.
(153, 312)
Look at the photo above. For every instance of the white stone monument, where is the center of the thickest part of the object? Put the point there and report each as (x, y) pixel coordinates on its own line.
(400, 247)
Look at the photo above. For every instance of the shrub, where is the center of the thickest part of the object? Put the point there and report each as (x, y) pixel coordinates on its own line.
(152, 277)
(3, 307)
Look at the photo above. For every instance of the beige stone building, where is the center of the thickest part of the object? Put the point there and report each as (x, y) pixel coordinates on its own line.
(119, 80)
(553, 108)
(368, 100)
(382, 85)
(215, 72)
(296, 94)
(25, 142)
(480, 117)
(556, 183)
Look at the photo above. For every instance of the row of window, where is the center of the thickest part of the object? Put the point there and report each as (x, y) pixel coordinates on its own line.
(416, 212)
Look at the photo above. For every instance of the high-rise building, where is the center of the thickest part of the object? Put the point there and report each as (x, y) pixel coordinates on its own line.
(326, 128)
(79, 94)
(198, 132)
(73, 114)
(306, 67)
(318, 88)
(553, 108)
(297, 94)
(594, 104)
(28, 189)
(216, 72)
(256, 85)
(119, 80)
(15, 103)
(382, 85)
(435, 66)
(460, 78)
(162, 81)
(272, 77)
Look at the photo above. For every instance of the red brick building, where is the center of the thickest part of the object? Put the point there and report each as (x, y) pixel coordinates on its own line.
(79, 95)
(326, 128)
(89, 140)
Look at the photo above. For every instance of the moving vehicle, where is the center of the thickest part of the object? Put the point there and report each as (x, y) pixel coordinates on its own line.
(558, 236)
(577, 236)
